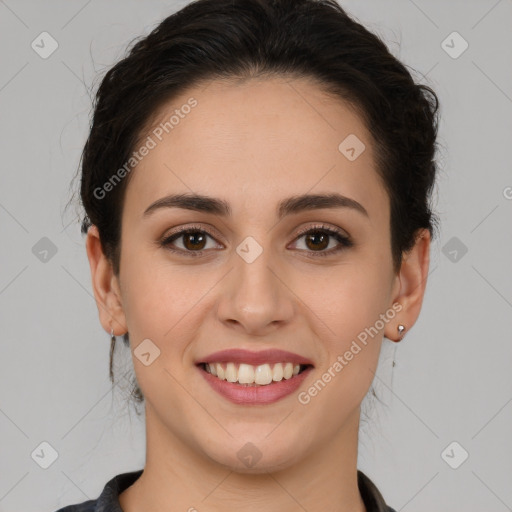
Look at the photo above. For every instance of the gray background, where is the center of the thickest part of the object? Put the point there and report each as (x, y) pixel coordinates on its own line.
(452, 380)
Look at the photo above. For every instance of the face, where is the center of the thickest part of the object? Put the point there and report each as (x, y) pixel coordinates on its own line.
(252, 279)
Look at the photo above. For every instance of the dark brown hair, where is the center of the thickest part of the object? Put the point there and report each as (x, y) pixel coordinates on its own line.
(240, 39)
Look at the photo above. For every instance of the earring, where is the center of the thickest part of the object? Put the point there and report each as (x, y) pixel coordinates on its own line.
(401, 329)
(112, 346)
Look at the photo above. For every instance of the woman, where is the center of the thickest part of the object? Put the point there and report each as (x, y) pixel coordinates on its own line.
(256, 185)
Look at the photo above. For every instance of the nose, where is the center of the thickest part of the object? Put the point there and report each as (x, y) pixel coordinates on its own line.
(256, 297)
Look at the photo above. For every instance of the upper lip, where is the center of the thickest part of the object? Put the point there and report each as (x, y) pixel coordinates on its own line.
(238, 355)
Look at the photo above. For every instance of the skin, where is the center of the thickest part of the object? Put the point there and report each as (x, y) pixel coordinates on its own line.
(254, 144)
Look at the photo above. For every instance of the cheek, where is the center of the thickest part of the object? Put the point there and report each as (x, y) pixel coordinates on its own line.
(155, 296)
(346, 299)
(347, 307)
(347, 321)
(158, 301)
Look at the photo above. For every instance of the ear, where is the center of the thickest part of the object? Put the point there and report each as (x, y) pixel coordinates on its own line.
(410, 285)
(105, 286)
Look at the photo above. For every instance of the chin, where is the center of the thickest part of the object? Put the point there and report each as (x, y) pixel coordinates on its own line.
(252, 455)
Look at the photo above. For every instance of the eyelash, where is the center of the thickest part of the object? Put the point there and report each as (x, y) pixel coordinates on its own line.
(345, 242)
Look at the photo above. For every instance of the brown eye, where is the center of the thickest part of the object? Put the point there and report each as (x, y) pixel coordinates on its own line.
(317, 240)
(194, 240)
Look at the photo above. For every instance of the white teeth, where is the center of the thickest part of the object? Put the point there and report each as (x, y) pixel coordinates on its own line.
(263, 374)
(245, 374)
(248, 374)
(231, 373)
(277, 374)
(288, 370)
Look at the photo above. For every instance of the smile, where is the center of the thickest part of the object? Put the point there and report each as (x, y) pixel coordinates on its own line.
(251, 375)
(251, 393)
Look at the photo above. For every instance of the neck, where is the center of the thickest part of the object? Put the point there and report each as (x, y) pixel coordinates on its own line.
(177, 477)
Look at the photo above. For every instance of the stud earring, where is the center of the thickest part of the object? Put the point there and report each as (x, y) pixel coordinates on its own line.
(401, 329)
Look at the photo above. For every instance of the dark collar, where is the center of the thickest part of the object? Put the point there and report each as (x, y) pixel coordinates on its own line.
(108, 500)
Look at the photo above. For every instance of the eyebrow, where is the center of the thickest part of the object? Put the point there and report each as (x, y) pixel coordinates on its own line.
(288, 206)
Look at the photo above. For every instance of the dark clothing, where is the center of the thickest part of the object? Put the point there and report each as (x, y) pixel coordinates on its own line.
(108, 500)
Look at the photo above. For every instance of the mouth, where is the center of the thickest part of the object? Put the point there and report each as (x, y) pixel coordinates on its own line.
(248, 375)
(248, 378)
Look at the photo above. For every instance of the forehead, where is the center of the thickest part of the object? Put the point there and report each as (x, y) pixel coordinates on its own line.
(255, 142)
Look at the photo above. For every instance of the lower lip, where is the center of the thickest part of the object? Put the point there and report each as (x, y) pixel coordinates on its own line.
(255, 395)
